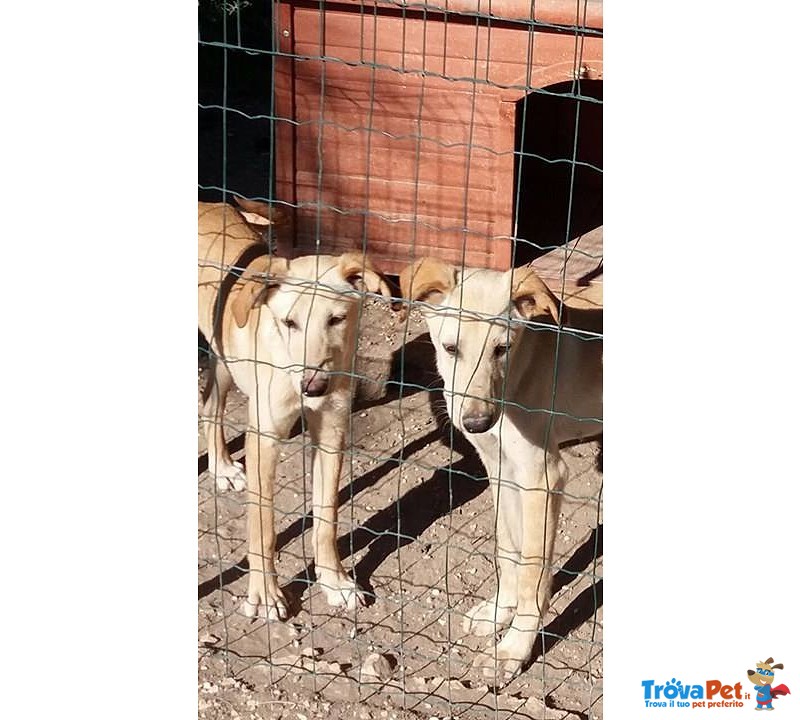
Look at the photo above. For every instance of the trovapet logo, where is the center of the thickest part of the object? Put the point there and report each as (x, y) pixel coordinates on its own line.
(715, 693)
(711, 693)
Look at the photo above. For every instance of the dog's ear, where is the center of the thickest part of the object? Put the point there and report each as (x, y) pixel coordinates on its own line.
(777, 666)
(256, 287)
(261, 214)
(358, 271)
(427, 279)
(531, 296)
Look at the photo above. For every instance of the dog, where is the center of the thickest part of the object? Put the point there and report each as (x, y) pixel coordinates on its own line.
(284, 331)
(522, 373)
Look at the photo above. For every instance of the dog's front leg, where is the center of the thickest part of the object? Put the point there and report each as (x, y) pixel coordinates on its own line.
(539, 502)
(327, 433)
(489, 616)
(264, 596)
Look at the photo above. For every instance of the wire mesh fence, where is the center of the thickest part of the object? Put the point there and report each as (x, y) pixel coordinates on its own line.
(464, 132)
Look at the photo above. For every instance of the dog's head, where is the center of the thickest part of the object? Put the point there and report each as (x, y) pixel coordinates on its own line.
(764, 673)
(471, 316)
(312, 304)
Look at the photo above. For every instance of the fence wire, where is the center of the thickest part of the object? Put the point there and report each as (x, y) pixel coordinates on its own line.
(417, 524)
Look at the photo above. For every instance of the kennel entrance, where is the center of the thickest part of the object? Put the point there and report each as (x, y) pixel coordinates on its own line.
(558, 167)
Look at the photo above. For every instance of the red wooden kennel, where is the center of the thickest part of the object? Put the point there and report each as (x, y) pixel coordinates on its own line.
(396, 121)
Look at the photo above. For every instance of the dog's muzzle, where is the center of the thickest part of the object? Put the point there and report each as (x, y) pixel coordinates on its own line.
(314, 383)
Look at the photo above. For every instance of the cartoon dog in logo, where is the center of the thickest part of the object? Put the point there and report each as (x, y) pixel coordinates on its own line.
(762, 678)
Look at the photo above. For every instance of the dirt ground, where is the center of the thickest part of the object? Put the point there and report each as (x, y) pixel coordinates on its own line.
(418, 537)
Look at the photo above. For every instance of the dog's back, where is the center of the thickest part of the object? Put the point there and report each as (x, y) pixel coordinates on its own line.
(222, 236)
(222, 233)
(561, 372)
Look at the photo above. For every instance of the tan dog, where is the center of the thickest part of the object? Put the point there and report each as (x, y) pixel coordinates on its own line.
(286, 333)
(516, 389)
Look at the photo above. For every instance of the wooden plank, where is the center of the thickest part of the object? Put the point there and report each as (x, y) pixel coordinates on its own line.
(399, 199)
(561, 12)
(495, 54)
(571, 271)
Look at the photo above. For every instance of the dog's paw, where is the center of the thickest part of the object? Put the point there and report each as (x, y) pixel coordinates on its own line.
(500, 664)
(497, 672)
(341, 591)
(265, 601)
(487, 618)
(230, 476)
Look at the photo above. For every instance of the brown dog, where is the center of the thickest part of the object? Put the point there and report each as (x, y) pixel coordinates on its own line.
(517, 386)
(285, 333)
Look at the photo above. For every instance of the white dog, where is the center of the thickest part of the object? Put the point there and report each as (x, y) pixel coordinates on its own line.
(516, 388)
(285, 333)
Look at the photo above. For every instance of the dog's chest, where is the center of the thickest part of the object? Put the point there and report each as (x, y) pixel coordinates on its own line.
(506, 449)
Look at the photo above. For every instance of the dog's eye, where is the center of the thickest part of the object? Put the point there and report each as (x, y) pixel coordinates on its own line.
(336, 320)
(291, 324)
(449, 348)
(500, 350)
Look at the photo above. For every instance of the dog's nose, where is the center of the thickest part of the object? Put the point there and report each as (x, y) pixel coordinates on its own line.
(314, 383)
(477, 423)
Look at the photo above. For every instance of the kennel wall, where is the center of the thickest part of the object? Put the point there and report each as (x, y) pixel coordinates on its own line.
(395, 123)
